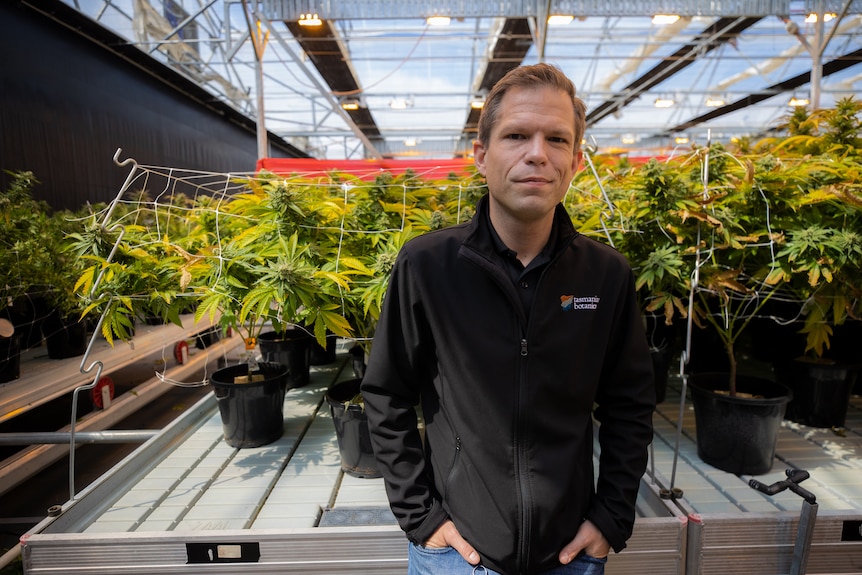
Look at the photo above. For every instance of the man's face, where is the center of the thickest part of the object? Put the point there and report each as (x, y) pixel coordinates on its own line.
(531, 154)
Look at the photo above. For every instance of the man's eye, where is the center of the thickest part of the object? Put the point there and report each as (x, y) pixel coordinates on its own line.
(515, 137)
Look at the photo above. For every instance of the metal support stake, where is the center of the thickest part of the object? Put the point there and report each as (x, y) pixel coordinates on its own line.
(259, 40)
(804, 535)
(673, 491)
(97, 365)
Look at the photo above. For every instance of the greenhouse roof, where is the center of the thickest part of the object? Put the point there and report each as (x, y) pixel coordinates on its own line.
(381, 79)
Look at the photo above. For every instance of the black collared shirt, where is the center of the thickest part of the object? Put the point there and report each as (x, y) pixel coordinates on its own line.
(524, 278)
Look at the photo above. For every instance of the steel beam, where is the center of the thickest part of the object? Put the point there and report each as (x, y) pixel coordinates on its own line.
(372, 9)
(58, 437)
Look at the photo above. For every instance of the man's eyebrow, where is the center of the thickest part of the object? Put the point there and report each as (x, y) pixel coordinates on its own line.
(509, 126)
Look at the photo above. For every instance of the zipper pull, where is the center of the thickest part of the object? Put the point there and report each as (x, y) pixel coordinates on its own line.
(523, 348)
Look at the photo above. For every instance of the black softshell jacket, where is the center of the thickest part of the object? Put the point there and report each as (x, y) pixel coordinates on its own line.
(507, 403)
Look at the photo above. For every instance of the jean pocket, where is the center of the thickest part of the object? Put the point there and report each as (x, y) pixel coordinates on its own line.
(590, 559)
(433, 550)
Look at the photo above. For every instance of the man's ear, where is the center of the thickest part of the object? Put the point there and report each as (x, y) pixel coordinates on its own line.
(576, 160)
(479, 156)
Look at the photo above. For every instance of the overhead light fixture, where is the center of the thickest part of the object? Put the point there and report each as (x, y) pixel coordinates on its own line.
(310, 20)
(478, 100)
(559, 19)
(664, 19)
(812, 17)
(350, 104)
(401, 103)
(627, 139)
(798, 101)
(664, 102)
(681, 139)
(714, 101)
(411, 142)
(438, 20)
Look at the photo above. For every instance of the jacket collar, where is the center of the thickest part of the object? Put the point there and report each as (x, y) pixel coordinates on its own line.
(481, 235)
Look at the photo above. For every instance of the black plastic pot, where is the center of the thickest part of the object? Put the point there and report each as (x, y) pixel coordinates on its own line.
(357, 361)
(351, 430)
(320, 355)
(208, 337)
(661, 359)
(252, 414)
(290, 348)
(10, 358)
(663, 345)
(737, 434)
(27, 313)
(64, 337)
(845, 346)
(845, 342)
(821, 390)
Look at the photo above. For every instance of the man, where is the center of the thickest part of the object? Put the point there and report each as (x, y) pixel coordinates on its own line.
(511, 331)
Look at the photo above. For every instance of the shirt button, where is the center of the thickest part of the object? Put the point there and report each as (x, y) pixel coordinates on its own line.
(525, 285)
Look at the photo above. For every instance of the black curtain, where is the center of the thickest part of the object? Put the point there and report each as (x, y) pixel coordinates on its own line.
(72, 93)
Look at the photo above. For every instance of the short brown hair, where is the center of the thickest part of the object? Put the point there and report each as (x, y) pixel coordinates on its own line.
(534, 76)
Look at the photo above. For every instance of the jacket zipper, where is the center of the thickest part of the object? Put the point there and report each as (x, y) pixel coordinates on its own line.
(521, 471)
(522, 474)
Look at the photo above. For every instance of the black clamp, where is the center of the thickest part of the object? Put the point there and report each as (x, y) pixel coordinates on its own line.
(794, 478)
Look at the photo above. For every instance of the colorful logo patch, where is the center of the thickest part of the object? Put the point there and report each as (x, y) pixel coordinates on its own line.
(570, 302)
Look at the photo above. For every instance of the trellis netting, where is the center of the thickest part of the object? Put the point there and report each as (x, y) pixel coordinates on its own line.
(310, 247)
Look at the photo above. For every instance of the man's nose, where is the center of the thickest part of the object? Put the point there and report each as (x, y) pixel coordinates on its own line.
(537, 150)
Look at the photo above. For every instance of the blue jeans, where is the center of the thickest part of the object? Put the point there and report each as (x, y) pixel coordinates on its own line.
(447, 561)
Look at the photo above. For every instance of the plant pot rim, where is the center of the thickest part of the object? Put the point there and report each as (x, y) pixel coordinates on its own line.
(271, 371)
(706, 383)
(344, 384)
(289, 334)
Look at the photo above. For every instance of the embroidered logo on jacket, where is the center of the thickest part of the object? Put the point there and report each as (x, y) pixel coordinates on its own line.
(570, 302)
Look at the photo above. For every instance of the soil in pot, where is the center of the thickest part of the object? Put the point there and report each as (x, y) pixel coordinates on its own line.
(64, 337)
(290, 348)
(821, 390)
(252, 413)
(351, 430)
(737, 434)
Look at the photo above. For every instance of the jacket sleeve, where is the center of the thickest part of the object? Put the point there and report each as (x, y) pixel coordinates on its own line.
(624, 406)
(400, 364)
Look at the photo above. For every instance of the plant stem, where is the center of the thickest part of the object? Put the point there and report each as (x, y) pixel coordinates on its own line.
(731, 358)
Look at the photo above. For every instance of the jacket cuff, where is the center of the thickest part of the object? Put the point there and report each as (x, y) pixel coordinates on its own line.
(435, 518)
(600, 517)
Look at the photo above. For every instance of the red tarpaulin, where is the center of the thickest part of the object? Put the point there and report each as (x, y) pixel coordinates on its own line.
(366, 169)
